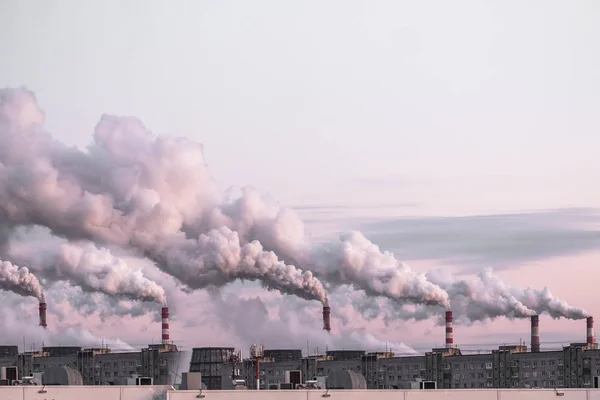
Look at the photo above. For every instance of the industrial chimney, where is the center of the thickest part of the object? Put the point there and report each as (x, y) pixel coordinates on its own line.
(326, 319)
(535, 334)
(449, 330)
(590, 330)
(165, 325)
(42, 310)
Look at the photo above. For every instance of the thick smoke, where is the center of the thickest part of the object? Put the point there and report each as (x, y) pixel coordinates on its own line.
(488, 296)
(156, 196)
(219, 258)
(480, 298)
(133, 190)
(83, 264)
(19, 281)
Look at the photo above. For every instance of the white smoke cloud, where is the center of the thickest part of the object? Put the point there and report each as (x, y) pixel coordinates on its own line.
(155, 197)
(19, 280)
(482, 297)
(134, 190)
(83, 264)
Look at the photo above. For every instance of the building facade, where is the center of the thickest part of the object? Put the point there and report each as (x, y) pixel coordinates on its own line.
(101, 366)
(507, 367)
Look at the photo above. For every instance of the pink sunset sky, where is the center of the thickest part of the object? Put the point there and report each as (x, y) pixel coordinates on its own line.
(455, 137)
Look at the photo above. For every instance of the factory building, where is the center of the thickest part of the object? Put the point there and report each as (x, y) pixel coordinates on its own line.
(214, 363)
(157, 364)
(575, 366)
(101, 366)
(507, 367)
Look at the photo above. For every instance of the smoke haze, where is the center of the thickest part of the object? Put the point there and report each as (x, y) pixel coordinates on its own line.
(153, 197)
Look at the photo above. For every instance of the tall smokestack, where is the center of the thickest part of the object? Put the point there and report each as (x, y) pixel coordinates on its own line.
(42, 310)
(165, 325)
(535, 334)
(449, 330)
(326, 319)
(590, 330)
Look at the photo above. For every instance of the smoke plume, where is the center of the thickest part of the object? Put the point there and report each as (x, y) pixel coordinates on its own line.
(85, 265)
(134, 190)
(19, 281)
(480, 298)
(155, 196)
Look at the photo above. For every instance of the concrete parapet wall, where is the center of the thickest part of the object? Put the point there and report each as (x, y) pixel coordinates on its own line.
(163, 393)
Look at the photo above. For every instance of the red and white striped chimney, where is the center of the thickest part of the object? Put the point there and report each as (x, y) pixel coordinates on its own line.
(535, 334)
(42, 310)
(590, 330)
(165, 325)
(449, 330)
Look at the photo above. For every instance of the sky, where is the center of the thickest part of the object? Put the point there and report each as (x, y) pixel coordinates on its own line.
(455, 134)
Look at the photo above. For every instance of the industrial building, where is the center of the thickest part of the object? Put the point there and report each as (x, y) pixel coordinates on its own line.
(157, 364)
(99, 366)
(575, 366)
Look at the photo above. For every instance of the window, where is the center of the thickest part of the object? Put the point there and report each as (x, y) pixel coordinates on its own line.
(534, 373)
(543, 363)
(535, 364)
(526, 374)
(488, 365)
(552, 363)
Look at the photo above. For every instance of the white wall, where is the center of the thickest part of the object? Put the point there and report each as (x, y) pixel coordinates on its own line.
(162, 393)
